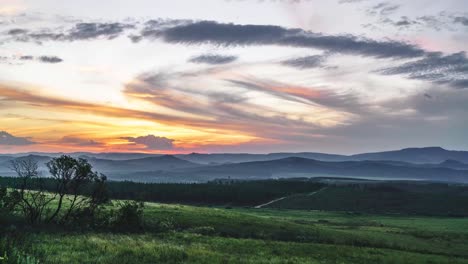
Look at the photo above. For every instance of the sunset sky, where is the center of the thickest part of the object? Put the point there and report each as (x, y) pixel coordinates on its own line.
(341, 76)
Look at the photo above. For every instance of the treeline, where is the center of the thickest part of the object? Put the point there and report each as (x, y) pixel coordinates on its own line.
(222, 192)
(429, 199)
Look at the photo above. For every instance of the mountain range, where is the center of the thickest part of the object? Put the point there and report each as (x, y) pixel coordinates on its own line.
(430, 164)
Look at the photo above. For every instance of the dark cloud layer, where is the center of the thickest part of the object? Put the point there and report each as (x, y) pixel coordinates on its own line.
(438, 68)
(213, 59)
(8, 139)
(152, 142)
(210, 32)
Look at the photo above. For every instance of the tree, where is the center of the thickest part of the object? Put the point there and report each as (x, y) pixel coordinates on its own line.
(30, 193)
(71, 176)
(99, 192)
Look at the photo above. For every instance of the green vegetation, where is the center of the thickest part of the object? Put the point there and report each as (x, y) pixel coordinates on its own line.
(222, 192)
(187, 234)
(89, 228)
(384, 198)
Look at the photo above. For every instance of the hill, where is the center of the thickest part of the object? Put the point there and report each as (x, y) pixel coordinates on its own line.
(416, 155)
(301, 167)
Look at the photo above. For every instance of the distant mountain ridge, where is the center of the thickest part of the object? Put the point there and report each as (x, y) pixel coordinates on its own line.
(416, 155)
(302, 167)
(412, 155)
(433, 164)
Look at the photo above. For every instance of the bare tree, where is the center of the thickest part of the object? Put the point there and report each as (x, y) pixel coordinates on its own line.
(33, 198)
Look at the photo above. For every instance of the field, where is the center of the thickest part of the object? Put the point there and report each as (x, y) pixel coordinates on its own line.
(188, 234)
(275, 221)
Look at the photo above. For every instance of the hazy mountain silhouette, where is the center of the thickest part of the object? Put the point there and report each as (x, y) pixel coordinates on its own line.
(431, 163)
(416, 155)
(301, 167)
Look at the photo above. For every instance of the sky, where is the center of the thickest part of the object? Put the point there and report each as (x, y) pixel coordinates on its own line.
(218, 76)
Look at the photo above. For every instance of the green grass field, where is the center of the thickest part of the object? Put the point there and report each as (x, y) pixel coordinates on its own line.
(187, 234)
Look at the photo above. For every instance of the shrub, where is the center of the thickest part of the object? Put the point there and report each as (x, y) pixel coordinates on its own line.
(129, 216)
(8, 201)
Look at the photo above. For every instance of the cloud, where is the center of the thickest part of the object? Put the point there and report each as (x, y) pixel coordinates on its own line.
(17, 31)
(19, 60)
(461, 20)
(8, 139)
(438, 68)
(413, 120)
(210, 32)
(231, 110)
(307, 62)
(49, 59)
(152, 142)
(441, 21)
(26, 57)
(213, 59)
(80, 31)
(436, 22)
(71, 140)
(84, 31)
(383, 9)
(300, 94)
(403, 22)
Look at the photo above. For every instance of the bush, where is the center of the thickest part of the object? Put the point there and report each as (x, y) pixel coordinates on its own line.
(129, 216)
(8, 201)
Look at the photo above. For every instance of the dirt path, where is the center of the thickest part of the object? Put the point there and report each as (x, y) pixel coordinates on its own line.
(281, 198)
(270, 202)
(317, 191)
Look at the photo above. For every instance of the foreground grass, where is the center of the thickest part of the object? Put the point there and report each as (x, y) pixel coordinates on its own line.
(194, 248)
(187, 234)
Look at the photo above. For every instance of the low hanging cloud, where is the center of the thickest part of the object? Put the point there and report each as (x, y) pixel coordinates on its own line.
(152, 142)
(76, 141)
(10, 140)
(213, 59)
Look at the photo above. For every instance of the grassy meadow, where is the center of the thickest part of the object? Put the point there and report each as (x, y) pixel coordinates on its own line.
(189, 234)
